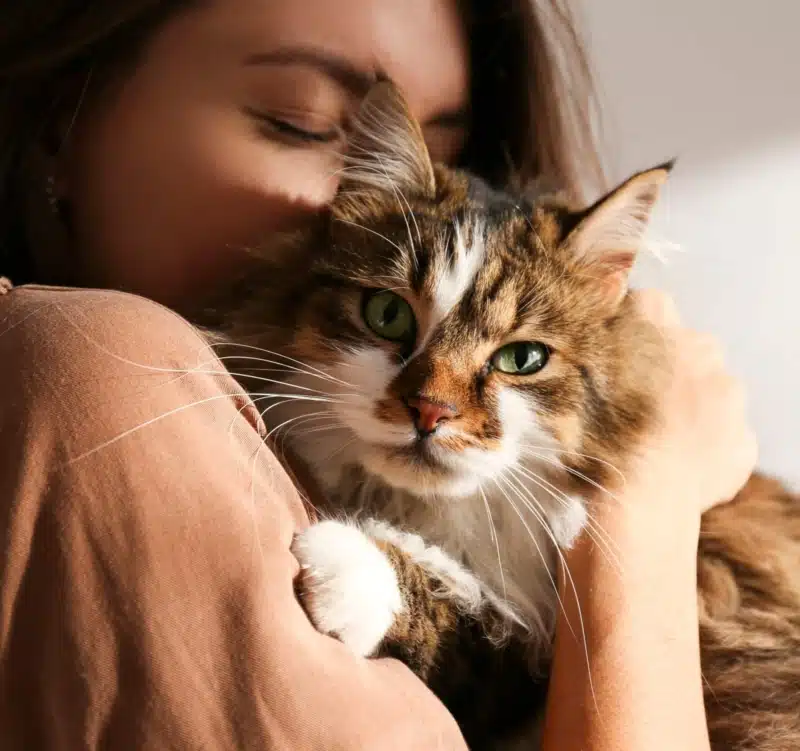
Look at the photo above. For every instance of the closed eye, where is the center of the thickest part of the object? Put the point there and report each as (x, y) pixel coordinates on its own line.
(283, 128)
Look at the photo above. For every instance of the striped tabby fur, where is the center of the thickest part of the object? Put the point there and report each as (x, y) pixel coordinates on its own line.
(456, 484)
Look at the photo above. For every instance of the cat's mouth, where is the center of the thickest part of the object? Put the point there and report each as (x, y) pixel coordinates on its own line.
(443, 462)
(425, 467)
(424, 453)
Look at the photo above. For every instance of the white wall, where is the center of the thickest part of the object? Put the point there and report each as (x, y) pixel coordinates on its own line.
(717, 84)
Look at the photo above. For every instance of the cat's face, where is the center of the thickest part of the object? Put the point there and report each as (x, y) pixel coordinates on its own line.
(465, 336)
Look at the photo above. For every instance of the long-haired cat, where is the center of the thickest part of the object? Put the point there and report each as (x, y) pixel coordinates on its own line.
(462, 374)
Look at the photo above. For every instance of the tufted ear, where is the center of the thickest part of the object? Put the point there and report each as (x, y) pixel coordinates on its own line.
(385, 155)
(605, 239)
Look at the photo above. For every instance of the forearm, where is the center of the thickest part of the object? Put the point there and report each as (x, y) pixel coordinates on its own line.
(636, 684)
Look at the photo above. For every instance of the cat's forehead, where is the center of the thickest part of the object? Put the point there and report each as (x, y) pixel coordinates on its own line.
(519, 230)
(482, 242)
(487, 269)
(483, 257)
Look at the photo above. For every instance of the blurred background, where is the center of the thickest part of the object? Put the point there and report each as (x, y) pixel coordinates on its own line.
(716, 83)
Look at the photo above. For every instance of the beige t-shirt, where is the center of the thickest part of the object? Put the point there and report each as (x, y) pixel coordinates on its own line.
(146, 578)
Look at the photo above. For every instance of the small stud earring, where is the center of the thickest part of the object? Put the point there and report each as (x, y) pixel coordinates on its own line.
(52, 198)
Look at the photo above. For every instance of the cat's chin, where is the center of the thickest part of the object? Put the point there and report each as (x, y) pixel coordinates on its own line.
(419, 474)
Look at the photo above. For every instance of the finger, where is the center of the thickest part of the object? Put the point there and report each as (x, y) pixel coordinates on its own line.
(708, 351)
(735, 394)
(743, 460)
(658, 307)
(752, 451)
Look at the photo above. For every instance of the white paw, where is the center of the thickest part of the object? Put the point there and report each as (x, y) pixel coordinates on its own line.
(350, 588)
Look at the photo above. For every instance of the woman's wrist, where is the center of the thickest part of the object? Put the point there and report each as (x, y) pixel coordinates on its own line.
(633, 562)
(640, 550)
(626, 659)
(651, 515)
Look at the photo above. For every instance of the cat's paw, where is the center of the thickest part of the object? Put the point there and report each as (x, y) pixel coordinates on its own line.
(347, 585)
(456, 582)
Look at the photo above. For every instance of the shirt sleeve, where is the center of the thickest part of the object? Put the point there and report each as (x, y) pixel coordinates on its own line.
(146, 578)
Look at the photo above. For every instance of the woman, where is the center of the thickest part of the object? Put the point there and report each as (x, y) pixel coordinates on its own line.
(145, 577)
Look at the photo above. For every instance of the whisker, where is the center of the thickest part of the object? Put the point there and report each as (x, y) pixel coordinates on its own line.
(371, 231)
(256, 534)
(314, 418)
(177, 410)
(182, 372)
(605, 542)
(272, 353)
(292, 424)
(550, 449)
(495, 540)
(281, 367)
(336, 426)
(185, 371)
(543, 523)
(340, 449)
(301, 492)
(577, 474)
(264, 379)
(277, 428)
(398, 194)
(568, 574)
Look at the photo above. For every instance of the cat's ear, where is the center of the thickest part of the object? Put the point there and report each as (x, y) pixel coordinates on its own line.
(605, 239)
(386, 155)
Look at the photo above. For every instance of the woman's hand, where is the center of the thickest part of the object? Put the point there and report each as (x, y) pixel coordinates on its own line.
(703, 449)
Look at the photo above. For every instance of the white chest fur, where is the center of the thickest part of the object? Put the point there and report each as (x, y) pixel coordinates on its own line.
(509, 540)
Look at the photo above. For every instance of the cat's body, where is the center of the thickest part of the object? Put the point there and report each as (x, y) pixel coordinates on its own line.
(463, 365)
(749, 592)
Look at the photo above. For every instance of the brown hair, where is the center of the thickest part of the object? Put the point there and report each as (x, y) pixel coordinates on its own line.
(531, 99)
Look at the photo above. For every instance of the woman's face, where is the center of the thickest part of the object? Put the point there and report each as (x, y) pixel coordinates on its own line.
(228, 130)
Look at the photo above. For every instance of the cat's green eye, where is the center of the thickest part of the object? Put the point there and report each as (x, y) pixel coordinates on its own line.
(521, 358)
(390, 316)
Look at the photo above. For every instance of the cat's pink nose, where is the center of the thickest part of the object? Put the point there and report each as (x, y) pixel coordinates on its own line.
(428, 414)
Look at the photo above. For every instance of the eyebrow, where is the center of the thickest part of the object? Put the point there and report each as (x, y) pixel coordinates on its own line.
(337, 68)
(342, 71)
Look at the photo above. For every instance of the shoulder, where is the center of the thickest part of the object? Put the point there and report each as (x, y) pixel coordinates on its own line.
(105, 357)
(68, 322)
(64, 347)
